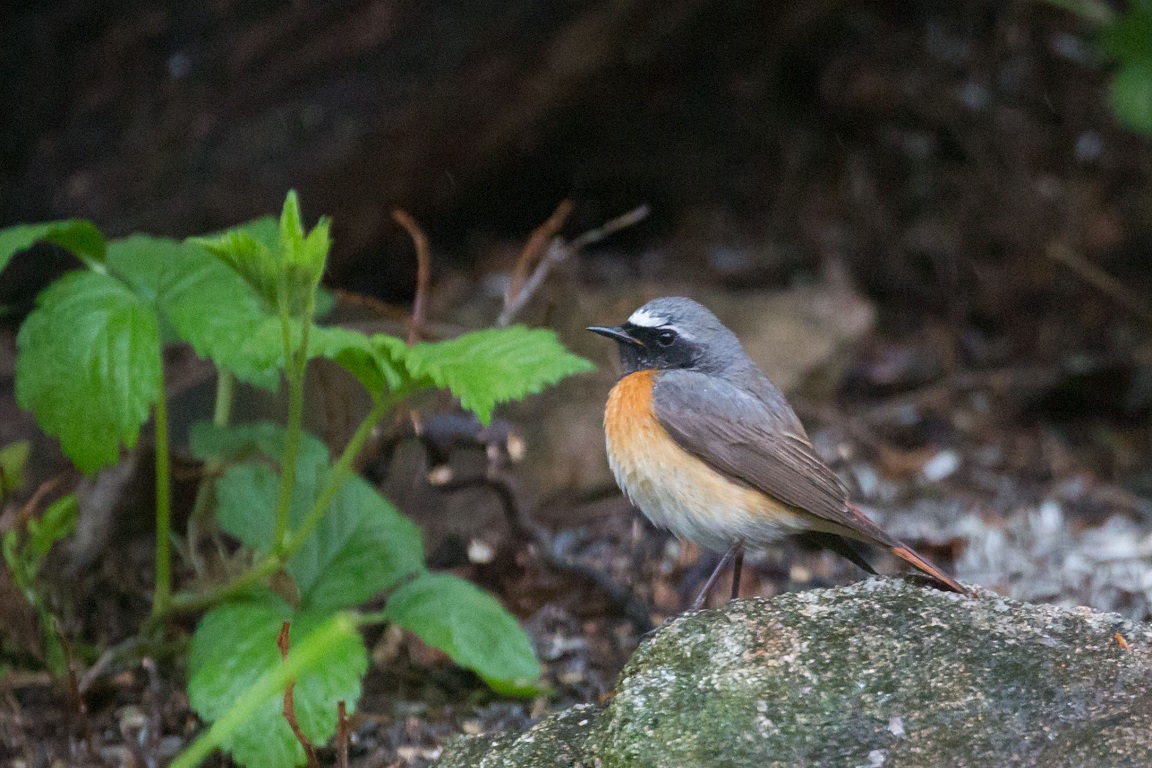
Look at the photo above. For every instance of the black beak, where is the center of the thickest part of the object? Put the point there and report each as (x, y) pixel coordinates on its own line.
(618, 335)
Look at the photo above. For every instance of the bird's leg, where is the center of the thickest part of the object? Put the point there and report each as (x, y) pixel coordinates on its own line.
(737, 567)
(699, 601)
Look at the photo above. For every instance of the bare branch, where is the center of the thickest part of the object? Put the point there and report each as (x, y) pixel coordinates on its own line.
(535, 247)
(1099, 279)
(78, 710)
(30, 507)
(289, 709)
(341, 734)
(372, 304)
(110, 657)
(423, 272)
(610, 227)
(557, 252)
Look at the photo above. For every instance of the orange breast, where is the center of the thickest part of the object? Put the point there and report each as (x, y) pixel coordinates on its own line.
(675, 489)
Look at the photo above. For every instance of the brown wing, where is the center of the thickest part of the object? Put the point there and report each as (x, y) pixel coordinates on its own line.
(764, 447)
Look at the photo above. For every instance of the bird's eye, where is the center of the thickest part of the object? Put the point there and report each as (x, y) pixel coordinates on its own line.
(665, 338)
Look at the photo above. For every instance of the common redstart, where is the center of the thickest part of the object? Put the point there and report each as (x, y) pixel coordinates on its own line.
(706, 446)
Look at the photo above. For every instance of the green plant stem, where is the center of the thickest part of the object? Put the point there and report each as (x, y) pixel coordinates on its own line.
(274, 562)
(221, 416)
(337, 476)
(163, 592)
(297, 362)
(249, 578)
(225, 389)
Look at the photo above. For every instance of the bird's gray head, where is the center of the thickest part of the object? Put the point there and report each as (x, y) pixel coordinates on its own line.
(675, 332)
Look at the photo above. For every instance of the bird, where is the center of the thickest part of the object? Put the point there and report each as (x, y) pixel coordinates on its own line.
(706, 446)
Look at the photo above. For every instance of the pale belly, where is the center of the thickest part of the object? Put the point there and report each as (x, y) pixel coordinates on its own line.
(679, 492)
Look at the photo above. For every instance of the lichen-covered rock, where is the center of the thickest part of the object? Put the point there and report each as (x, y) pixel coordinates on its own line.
(882, 673)
(555, 742)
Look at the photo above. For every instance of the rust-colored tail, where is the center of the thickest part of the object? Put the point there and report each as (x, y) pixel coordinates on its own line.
(861, 528)
(929, 570)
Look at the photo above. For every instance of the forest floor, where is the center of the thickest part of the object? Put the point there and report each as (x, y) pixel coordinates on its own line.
(992, 473)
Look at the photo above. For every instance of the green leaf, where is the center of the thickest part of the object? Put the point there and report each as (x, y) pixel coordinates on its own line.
(142, 261)
(57, 522)
(366, 358)
(223, 318)
(207, 304)
(78, 236)
(204, 303)
(209, 441)
(264, 230)
(276, 257)
(13, 460)
(1129, 38)
(11, 548)
(246, 504)
(249, 251)
(24, 554)
(302, 255)
(361, 547)
(247, 493)
(307, 251)
(89, 366)
(471, 627)
(493, 366)
(325, 303)
(234, 652)
(221, 301)
(1131, 94)
(291, 223)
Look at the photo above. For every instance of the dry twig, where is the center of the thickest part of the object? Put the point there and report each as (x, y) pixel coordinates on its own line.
(423, 272)
(29, 509)
(610, 227)
(109, 658)
(374, 305)
(534, 249)
(289, 709)
(557, 252)
(341, 735)
(77, 708)
(1099, 279)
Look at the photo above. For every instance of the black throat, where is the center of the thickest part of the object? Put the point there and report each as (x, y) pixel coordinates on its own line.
(653, 352)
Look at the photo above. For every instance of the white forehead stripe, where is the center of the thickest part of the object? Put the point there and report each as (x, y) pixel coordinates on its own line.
(646, 319)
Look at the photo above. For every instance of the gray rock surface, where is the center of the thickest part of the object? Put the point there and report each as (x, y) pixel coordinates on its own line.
(881, 673)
